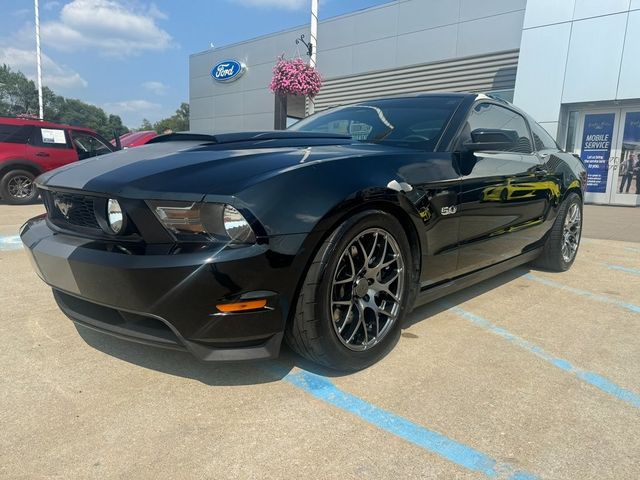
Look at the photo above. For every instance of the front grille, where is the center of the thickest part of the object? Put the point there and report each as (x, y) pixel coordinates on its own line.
(78, 213)
(72, 210)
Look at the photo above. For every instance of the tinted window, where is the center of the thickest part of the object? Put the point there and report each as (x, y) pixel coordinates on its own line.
(14, 133)
(50, 138)
(505, 129)
(408, 122)
(541, 138)
(88, 146)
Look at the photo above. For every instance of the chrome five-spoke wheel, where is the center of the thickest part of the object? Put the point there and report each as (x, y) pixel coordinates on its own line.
(571, 232)
(367, 289)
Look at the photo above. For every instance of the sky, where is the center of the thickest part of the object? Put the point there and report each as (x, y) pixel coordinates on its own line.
(131, 57)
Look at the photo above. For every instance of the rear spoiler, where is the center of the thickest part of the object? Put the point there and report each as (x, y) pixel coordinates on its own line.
(245, 137)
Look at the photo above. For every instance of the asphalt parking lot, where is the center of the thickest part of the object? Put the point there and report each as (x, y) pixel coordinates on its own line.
(527, 375)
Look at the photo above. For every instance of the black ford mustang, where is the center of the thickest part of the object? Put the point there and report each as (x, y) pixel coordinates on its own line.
(326, 234)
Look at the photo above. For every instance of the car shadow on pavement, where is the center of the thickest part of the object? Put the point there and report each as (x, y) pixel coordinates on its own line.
(429, 310)
(182, 364)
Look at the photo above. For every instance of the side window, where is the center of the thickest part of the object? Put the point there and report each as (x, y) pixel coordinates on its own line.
(49, 138)
(88, 146)
(541, 138)
(14, 133)
(500, 128)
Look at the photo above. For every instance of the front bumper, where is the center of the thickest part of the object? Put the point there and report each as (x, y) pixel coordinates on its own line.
(168, 299)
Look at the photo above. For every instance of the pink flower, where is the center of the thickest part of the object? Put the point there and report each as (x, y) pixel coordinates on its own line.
(295, 77)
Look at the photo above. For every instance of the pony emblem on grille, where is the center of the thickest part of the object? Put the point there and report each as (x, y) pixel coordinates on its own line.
(63, 207)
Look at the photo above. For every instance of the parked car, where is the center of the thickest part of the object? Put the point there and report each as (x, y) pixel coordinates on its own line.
(30, 147)
(135, 139)
(221, 245)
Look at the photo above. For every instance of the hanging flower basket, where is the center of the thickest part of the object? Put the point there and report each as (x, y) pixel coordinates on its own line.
(295, 77)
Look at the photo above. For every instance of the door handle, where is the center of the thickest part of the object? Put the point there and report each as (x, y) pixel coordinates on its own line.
(42, 154)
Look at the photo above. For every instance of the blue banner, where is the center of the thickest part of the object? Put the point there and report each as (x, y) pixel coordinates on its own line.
(596, 149)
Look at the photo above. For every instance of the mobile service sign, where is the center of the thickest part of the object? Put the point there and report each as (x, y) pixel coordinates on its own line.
(228, 71)
(596, 149)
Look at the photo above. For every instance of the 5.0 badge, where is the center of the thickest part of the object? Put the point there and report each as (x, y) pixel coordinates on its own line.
(449, 210)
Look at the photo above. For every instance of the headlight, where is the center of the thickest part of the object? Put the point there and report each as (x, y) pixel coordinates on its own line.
(236, 226)
(114, 215)
(190, 221)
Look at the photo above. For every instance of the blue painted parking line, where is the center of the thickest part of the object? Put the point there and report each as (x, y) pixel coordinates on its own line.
(323, 389)
(635, 271)
(584, 293)
(591, 378)
(11, 242)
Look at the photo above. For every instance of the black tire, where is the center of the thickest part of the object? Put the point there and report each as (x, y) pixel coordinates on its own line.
(311, 332)
(8, 187)
(552, 257)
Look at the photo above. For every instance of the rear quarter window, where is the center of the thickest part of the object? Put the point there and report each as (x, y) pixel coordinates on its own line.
(15, 133)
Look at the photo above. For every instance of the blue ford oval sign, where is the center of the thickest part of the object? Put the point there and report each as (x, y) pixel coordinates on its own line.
(228, 71)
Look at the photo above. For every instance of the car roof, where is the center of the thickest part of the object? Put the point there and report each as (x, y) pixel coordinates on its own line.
(460, 95)
(41, 123)
(137, 135)
(132, 138)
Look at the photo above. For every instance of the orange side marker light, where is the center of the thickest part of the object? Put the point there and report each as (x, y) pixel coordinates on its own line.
(241, 306)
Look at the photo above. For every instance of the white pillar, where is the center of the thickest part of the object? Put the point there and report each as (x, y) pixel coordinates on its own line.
(314, 44)
(39, 61)
(314, 32)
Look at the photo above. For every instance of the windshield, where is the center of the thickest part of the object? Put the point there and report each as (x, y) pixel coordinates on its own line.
(415, 122)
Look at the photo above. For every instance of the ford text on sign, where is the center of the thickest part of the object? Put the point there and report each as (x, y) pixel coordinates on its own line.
(228, 70)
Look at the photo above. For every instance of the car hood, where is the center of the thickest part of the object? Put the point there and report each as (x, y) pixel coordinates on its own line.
(191, 166)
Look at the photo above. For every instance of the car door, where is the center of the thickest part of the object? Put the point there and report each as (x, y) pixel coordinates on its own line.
(89, 145)
(50, 148)
(504, 190)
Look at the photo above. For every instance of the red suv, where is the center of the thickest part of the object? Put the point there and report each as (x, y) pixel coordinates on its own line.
(31, 147)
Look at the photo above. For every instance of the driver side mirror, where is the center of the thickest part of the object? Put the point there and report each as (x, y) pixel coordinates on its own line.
(490, 139)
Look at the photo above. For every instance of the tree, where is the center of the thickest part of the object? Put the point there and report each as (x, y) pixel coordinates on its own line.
(176, 123)
(146, 125)
(18, 96)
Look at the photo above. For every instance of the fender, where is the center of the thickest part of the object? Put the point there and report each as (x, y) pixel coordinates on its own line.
(297, 200)
(307, 245)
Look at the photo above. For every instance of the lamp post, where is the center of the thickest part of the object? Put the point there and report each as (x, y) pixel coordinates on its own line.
(280, 111)
(313, 50)
(39, 61)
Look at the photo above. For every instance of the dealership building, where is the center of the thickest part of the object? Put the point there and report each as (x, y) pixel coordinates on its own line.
(574, 65)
